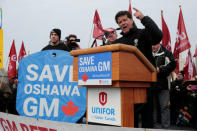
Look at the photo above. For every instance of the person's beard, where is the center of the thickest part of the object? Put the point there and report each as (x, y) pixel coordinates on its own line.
(55, 43)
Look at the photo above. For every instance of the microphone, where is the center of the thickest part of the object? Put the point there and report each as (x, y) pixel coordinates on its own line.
(117, 28)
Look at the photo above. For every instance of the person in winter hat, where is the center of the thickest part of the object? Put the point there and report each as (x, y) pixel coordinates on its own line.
(55, 42)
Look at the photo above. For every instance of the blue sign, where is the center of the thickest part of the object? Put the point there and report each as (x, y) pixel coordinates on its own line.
(95, 69)
(46, 90)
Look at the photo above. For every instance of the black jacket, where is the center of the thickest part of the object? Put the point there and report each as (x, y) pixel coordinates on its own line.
(60, 46)
(143, 39)
(166, 63)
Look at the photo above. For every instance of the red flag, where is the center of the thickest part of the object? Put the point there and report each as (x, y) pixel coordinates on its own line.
(22, 52)
(130, 9)
(182, 41)
(98, 29)
(188, 68)
(195, 54)
(12, 61)
(166, 40)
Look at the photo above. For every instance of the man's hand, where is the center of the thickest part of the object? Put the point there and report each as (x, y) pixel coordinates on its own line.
(138, 14)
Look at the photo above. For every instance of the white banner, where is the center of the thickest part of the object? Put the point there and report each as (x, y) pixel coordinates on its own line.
(9, 122)
(104, 106)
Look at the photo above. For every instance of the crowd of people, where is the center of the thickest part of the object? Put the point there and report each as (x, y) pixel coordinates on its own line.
(164, 101)
(8, 92)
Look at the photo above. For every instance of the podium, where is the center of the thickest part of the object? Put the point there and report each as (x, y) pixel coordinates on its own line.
(131, 75)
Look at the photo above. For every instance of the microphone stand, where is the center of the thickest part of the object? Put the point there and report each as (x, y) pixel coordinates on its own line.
(103, 39)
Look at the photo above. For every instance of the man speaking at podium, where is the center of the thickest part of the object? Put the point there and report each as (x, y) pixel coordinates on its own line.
(143, 39)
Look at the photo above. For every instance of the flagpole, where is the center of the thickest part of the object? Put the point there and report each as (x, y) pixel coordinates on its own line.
(161, 19)
(173, 74)
(130, 9)
(180, 53)
(90, 35)
(191, 55)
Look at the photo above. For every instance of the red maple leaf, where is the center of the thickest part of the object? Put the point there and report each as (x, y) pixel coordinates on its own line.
(85, 77)
(70, 110)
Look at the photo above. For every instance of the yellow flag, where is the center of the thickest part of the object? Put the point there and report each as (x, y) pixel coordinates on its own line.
(1, 48)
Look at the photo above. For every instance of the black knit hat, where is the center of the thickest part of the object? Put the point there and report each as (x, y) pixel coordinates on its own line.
(57, 31)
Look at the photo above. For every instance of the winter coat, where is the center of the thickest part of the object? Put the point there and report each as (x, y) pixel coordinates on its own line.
(166, 63)
(143, 39)
(60, 46)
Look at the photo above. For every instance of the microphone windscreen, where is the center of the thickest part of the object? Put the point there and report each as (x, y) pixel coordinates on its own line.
(117, 28)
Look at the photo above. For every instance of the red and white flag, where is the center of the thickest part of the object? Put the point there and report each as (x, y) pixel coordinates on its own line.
(182, 41)
(130, 9)
(166, 40)
(188, 68)
(195, 54)
(12, 62)
(98, 28)
(22, 52)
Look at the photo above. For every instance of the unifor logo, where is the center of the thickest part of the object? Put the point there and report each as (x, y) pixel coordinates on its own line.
(103, 98)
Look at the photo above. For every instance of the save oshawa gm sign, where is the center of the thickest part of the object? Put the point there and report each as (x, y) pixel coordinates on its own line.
(46, 89)
(104, 106)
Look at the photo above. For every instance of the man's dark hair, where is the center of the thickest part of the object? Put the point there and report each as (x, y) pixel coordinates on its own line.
(122, 13)
(72, 35)
(57, 31)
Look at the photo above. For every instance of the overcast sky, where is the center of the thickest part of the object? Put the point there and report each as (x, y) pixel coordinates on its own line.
(32, 20)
